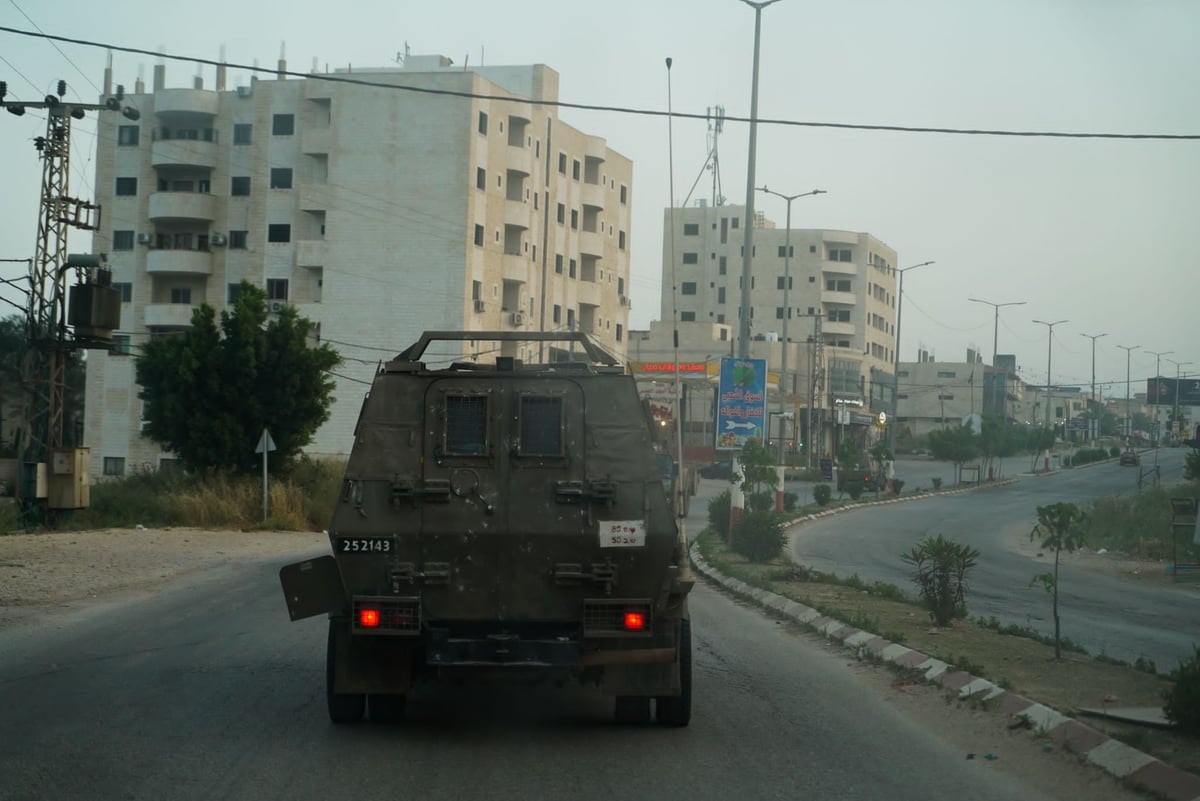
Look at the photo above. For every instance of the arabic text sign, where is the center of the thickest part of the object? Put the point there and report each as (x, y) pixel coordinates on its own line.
(742, 403)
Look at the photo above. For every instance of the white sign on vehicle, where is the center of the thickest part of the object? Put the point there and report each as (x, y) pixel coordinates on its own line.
(622, 533)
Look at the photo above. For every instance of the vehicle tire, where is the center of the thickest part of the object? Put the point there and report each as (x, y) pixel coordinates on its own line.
(343, 707)
(676, 710)
(632, 709)
(386, 708)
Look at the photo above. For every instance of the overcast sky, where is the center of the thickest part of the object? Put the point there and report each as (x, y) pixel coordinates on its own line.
(1096, 232)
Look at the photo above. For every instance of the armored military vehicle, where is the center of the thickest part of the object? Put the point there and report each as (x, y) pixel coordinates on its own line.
(500, 520)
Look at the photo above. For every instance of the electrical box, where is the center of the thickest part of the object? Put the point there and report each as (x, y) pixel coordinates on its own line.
(67, 483)
(94, 310)
(33, 480)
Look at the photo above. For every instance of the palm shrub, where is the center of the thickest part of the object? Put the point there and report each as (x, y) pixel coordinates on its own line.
(758, 536)
(940, 568)
(822, 493)
(854, 490)
(1183, 700)
(718, 514)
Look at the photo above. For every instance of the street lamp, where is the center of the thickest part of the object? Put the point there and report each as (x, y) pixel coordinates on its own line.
(896, 356)
(1094, 424)
(1128, 417)
(996, 323)
(1157, 375)
(1178, 376)
(787, 311)
(1049, 342)
(748, 234)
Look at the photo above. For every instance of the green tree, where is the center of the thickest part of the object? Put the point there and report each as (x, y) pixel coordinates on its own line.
(940, 568)
(758, 468)
(1037, 440)
(957, 445)
(1059, 526)
(211, 390)
(997, 440)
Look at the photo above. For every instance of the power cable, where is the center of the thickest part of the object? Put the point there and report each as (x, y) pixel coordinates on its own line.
(613, 109)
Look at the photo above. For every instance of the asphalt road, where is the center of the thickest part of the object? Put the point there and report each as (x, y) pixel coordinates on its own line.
(205, 691)
(1106, 614)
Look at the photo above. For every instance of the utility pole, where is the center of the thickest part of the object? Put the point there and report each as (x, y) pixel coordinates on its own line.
(1178, 378)
(95, 309)
(1049, 345)
(1093, 419)
(896, 356)
(1154, 435)
(996, 322)
(1129, 349)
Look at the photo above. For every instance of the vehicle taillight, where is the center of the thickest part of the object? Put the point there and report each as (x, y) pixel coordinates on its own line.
(635, 621)
(368, 618)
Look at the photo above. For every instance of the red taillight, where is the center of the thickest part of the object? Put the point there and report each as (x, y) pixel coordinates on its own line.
(368, 618)
(635, 621)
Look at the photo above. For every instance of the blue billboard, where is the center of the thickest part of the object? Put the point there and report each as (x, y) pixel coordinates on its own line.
(742, 403)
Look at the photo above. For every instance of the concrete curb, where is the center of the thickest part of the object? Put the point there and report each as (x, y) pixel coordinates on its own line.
(1121, 761)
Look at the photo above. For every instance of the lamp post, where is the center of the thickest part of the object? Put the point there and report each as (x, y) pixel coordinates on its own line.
(1157, 375)
(787, 310)
(1049, 343)
(1178, 376)
(1128, 417)
(996, 323)
(896, 356)
(748, 233)
(1093, 422)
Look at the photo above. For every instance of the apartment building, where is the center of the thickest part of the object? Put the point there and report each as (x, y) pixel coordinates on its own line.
(377, 211)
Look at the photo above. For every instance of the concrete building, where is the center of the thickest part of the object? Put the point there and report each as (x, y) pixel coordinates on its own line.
(840, 311)
(377, 212)
(932, 395)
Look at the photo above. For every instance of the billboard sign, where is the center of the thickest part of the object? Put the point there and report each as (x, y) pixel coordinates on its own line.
(1169, 391)
(742, 402)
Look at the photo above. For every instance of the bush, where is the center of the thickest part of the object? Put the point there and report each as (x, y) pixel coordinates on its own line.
(760, 502)
(1183, 700)
(718, 514)
(790, 499)
(1114, 452)
(941, 568)
(822, 493)
(937, 483)
(759, 537)
(854, 490)
(1191, 465)
(897, 485)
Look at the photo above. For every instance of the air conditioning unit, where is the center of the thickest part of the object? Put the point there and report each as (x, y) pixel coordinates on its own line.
(244, 91)
(218, 239)
(624, 300)
(145, 239)
(276, 306)
(479, 305)
(518, 318)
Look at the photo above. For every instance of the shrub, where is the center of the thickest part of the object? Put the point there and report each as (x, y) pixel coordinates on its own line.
(822, 493)
(854, 490)
(937, 483)
(718, 514)
(1183, 700)
(760, 502)
(759, 537)
(1114, 451)
(1191, 465)
(941, 568)
(790, 499)
(897, 485)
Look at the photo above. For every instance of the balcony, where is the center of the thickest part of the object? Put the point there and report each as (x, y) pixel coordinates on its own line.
(517, 213)
(588, 292)
(179, 262)
(592, 195)
(186, 101)
(515, 268)
(519, 159)
(168, 315)
(839, 267)
(316, 140)
(840, 298)
(183, 153)
(591, 243)
(182, 206)
(311, 252)
(315, 197)
(841, 329)
(595, 147)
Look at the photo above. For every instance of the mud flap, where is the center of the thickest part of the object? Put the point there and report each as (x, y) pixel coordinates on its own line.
(313, 587)
(366, 664)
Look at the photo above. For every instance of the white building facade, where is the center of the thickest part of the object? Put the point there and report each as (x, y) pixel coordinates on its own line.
(378, 212)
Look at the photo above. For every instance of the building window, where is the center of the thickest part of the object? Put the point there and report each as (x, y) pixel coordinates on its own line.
(122, 240)
(479, 235)
(571, 268)
(734, 222)
(114, 465)
(720, 294)
(480, 178)
(621, 240)
(575, 219)
(570, 319)
(562, 214)
(687, 317)
(181, 294)
(575, 169)
(541, 426)
(557, 316)
(838, 315)
(784, 251)
(233, 293)
(482, 123)
(836, 285)
(283, 124)
(126, 290)
(277, 289)
(688, 288)
(562, 163)
(778, 312)
(558, 263)
(237, 239)
(126, 186)
(127, 134)
(120, 345)
(691, 229)
(239, 185)
(691, 258)
(624, 193)
(620, 332)
(241, 133)
(837, 254)
(946, 374)
(281, 177)
(279, 232)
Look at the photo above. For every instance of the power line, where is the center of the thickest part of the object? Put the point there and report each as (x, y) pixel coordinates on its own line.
(615, 109)
(52, 43)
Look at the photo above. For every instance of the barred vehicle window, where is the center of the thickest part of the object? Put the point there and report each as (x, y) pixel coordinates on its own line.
(466, 425)
(541, 426)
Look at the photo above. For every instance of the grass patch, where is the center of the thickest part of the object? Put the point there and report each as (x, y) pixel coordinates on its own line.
(1137, 524)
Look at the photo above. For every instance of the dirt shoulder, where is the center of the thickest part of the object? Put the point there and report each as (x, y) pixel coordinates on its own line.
(77, 568)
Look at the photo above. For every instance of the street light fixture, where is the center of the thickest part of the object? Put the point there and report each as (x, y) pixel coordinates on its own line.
(787, 310)
(1129, 349)
(1178, 377)
(1094, 423)
(996, 323)
(1049, 343)
(896, 356)
(748, 233)
(1157, 375)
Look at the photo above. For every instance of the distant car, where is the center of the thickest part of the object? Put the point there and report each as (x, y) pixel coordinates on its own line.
(1130, 458)
(720, 470)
